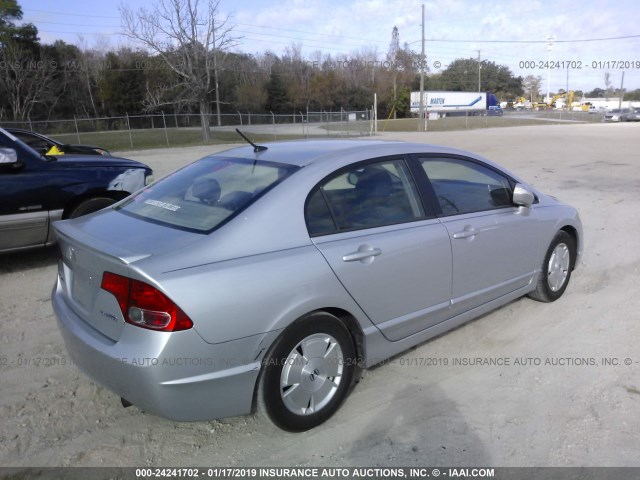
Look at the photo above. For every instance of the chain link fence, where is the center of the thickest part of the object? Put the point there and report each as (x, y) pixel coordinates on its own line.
(152, 131)
(473, 120)
(140, 131)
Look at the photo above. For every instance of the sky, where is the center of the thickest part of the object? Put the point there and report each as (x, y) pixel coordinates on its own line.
(510, 32)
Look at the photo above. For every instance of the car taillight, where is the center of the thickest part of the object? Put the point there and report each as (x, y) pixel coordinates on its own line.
(144, 305)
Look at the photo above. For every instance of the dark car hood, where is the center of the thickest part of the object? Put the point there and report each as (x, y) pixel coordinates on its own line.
(74, 160)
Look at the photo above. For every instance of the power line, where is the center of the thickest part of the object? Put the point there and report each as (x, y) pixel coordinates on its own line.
(76, 24)
(68, 13)
(239, 23)
(432, 40)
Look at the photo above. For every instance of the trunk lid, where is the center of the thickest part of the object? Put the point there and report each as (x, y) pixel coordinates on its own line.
(101, 242)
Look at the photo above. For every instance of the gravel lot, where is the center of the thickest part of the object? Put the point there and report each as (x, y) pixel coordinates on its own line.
(560, 406)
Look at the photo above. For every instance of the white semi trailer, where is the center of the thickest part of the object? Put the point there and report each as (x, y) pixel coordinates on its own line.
(477, 103)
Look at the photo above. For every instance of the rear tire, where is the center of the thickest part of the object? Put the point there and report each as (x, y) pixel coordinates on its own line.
(555, 272)
(91, 205)
(308, 373)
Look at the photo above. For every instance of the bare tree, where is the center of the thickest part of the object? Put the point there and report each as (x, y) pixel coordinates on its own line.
(86, 65)
(532, 86)
(26, 80)
(608, 86)
(189, 41)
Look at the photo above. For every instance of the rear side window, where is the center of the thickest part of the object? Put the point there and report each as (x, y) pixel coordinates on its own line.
(207, 193)
(463, 187)
(38, 144)
(366, 196)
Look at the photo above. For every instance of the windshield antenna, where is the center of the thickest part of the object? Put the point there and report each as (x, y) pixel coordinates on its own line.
(256, 148)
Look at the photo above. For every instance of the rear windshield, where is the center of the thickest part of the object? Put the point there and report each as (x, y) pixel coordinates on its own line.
(204, 195)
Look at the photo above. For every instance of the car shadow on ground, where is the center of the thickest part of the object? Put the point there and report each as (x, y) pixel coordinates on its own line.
(420, 426)
(27, 260)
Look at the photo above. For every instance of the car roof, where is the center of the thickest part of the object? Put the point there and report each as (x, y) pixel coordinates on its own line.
(15, 131)
(306, 152)
(21, 130)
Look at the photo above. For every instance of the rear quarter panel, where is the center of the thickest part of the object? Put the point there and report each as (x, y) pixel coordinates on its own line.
(246, 296)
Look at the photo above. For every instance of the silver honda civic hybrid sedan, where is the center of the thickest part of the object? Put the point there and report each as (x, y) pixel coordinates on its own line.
(266, 278)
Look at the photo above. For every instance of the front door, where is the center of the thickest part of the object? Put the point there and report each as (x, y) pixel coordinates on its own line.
(493, 242)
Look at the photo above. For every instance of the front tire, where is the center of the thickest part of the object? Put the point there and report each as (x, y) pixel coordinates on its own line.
(308, 373)
(556, 269)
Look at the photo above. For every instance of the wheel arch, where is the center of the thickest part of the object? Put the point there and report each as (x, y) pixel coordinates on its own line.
(74, 202)
(346, 318)
(354, 328)
(573, 233)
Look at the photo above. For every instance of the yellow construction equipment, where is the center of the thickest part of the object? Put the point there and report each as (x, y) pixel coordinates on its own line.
(569, 97)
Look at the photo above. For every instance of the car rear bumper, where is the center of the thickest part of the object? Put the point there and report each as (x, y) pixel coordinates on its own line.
(174, 375)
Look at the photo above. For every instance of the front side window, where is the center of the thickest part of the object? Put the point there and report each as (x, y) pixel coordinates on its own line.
(365, 196)
(464, 187)
(207, 193)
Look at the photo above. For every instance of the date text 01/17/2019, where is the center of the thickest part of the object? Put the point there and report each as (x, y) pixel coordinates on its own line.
(579, 64)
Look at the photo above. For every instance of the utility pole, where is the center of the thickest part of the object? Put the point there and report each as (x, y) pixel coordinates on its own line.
(392, 58)
(550, 40)
(621, 91)
(422, 119)
(479, 68)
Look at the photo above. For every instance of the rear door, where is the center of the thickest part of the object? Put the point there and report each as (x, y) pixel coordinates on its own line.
(384, 245)
(494, 243)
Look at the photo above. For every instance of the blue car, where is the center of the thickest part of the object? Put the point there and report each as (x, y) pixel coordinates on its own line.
(38, 189)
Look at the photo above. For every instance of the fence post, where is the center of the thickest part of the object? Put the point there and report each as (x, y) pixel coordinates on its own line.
(273, 119)
(129, 128)
(175, 116)
(166, 134)
(370, 121)
(240, 115)
(302, 122)
(75, 120)
(249, 119)
(375, 113)
(327, 123)
(31, 126)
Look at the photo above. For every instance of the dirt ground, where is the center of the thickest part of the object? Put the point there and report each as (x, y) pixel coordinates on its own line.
(560, 405)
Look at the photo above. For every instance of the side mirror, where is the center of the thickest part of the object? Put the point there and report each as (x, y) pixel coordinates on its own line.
(522, 197)
(8, 156)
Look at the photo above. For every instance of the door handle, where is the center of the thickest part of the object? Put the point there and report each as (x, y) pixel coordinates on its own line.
(466, 233)
(361, 255)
